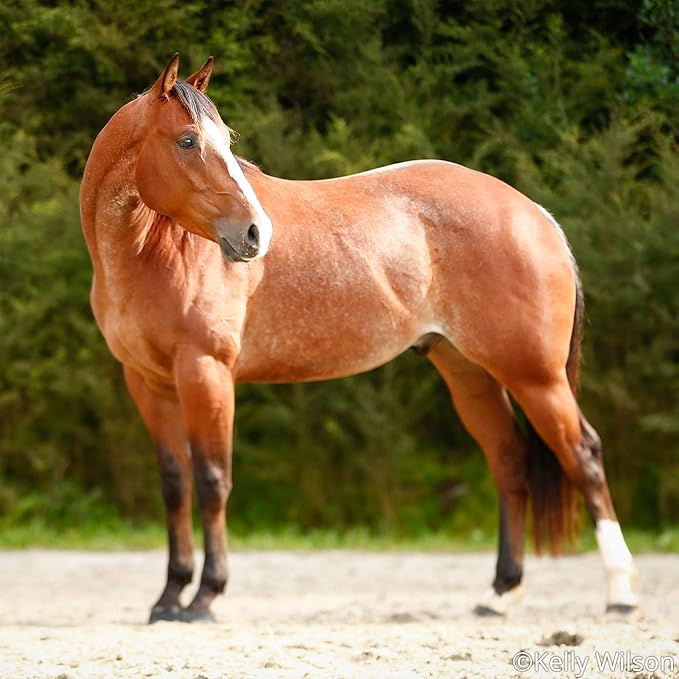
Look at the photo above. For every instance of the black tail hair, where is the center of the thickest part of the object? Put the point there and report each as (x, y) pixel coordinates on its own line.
(553, 499)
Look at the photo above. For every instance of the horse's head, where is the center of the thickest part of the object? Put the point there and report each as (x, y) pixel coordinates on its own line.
(186, 170)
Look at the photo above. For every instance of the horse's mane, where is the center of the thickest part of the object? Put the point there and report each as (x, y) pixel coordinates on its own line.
(248, 166)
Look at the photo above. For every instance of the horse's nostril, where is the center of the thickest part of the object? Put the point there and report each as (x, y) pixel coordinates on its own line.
(252, 236)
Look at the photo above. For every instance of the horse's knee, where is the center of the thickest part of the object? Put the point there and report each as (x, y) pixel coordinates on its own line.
(213, 485)
(172, 481)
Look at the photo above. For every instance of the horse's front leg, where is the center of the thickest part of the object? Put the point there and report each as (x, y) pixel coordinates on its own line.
(162, 416)
(206, 392)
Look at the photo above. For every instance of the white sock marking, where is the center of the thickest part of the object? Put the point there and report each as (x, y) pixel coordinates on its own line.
(617, 562)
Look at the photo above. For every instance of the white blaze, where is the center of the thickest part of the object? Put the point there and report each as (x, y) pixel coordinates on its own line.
(218, 141)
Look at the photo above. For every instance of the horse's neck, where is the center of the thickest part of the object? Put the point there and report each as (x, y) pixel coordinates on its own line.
(115, 222)
(121, 231)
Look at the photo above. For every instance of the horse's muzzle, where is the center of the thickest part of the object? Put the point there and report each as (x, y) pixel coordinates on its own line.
(244, 248)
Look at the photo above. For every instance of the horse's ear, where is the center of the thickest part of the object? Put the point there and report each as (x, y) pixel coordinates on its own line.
(167, 78)
(201, 77)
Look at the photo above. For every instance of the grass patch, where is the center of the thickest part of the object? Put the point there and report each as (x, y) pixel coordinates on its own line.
(117, 533)
(112, 534)
(121, 534)
(361, 539)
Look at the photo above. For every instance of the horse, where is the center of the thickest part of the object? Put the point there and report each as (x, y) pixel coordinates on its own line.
(208, 272)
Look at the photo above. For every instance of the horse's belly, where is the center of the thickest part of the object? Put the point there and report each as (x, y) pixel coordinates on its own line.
(321, 357)
(331, 336)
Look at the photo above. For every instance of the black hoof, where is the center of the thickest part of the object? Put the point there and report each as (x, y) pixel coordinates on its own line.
(168, 613)
(487, 612)
(197, 615)
(621, 609)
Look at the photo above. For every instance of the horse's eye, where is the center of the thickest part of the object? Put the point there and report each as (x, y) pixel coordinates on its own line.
(186, 142)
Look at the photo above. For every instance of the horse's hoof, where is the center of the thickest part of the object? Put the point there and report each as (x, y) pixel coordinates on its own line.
(498, 605)
(197, 615)
(167, 613)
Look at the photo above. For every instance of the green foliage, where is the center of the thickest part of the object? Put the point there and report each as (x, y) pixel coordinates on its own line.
(74, 64)
(60, 394)
(575, 104)
(653, 71)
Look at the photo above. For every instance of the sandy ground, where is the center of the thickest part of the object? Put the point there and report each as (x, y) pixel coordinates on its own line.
(331, 614)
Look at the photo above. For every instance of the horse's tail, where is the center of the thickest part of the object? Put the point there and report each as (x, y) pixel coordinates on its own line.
(553, 499)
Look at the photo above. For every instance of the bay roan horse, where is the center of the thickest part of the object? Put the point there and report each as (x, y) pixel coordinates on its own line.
(208, 272)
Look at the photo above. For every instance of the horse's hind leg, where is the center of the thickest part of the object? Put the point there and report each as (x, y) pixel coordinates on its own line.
(485, 411)
(553, 411)
(163, 419)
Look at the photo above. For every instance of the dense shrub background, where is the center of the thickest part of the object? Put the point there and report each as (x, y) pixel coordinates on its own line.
(574, 103)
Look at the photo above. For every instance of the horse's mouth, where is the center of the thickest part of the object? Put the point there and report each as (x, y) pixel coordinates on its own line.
(232, 254)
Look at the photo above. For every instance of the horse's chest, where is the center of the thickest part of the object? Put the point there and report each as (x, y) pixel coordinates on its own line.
(135, 332)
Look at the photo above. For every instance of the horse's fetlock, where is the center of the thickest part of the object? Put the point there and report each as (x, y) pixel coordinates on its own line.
(182, 574)
(509, 575)
(215, 580)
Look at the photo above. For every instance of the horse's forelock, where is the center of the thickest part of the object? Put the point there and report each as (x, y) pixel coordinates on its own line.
(195, 103)
(198, 105)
